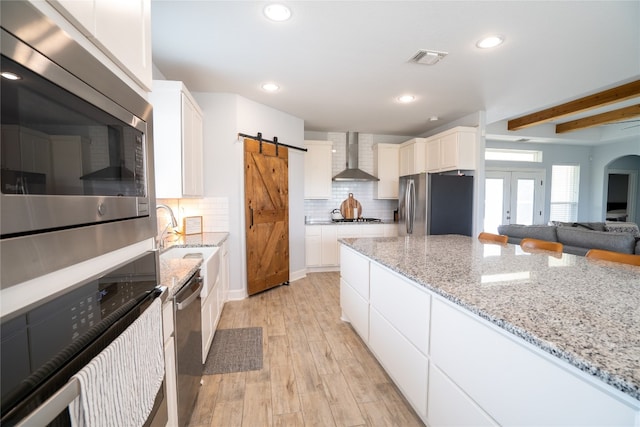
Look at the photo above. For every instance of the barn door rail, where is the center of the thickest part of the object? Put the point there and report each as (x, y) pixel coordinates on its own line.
(275, 142)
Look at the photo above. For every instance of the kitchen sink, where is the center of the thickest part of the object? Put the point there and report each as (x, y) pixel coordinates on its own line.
(175, 253)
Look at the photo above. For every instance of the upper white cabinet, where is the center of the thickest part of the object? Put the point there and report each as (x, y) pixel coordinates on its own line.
(121, 29)
(317, 169)
(451, 150)
(413, 157)
(386, 166)
(177, 141)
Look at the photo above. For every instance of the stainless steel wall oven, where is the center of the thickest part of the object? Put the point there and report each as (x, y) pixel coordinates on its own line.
(76, 152)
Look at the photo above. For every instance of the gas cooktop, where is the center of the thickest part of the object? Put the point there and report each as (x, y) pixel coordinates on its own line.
(357, 220)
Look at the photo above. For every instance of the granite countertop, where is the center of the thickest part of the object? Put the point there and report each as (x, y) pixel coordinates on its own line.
(582, 311)
(174, 273)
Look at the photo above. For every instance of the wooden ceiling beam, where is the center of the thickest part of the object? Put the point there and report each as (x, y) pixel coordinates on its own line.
(599, 119)
(600, 99)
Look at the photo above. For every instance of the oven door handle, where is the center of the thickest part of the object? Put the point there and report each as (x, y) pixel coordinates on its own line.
(194, 295)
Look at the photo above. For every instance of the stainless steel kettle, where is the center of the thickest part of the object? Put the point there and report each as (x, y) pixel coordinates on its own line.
(335, 214)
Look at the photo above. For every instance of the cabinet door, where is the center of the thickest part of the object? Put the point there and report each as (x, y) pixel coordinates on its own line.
(449, 152)
(386, 166)
(192, 179)
(406, 154)
(433, 155)
(313, 245)
(170, 381)
(329, 245)
(317, 170)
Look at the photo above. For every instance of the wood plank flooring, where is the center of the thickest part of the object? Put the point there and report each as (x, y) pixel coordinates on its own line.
(316, 370)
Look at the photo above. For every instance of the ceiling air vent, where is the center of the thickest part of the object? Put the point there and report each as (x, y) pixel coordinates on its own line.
(427, 57)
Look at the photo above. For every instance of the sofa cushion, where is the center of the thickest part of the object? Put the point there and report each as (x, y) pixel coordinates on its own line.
(516, 232)
(619, 242)
(595, 226)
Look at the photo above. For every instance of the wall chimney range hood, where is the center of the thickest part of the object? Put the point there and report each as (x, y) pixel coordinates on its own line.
(352, 173)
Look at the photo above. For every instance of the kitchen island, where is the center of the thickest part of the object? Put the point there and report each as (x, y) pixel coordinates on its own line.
(487, 334)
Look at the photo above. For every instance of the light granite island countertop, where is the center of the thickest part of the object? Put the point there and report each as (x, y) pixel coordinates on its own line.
(584, 312)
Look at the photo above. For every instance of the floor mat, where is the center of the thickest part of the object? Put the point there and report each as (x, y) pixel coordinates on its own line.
(235, 350)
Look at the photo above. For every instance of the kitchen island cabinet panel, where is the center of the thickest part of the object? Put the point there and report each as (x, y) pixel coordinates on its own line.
(401, 359)
(448, 405)
(403, 304)
(355, 271)
(514, 382)
(355, 309)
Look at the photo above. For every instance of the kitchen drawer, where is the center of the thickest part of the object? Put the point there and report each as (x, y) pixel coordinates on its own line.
(167, 319)
(405, 306)
(354, 269)
(355, 309)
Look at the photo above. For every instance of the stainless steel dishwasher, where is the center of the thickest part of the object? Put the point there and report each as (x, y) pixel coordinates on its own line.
(188, 334)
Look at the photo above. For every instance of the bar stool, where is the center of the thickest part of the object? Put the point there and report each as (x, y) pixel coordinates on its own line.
(613, 256)
(493, 238)
(529, 244)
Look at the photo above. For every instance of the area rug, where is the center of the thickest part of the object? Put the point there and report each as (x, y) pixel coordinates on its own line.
(235, 350)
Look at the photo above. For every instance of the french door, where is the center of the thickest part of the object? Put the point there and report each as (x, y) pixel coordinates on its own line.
(513, 197)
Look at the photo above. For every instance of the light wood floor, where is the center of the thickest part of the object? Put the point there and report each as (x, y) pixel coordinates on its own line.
(316, 371)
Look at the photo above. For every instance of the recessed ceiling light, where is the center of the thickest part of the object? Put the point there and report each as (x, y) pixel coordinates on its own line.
(405, 99)
(433, 118)
(270, 87)
(10, 76)
(490, 41)
(277, 12)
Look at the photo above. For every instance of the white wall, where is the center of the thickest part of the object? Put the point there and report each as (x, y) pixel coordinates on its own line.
(226, 115)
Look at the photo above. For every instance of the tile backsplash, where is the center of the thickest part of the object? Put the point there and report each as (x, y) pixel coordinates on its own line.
(318, 210)
(213, 210)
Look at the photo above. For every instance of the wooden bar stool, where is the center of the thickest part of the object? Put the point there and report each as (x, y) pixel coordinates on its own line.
(493, 238)
(529, 244)
(613, 256)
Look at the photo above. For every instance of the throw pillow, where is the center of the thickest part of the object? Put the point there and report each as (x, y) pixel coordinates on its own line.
(623, 227)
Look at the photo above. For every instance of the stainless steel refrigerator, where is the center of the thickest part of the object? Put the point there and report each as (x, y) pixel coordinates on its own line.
(435, 204)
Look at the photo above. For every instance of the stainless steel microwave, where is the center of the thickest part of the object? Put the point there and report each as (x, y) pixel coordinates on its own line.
(76, 152)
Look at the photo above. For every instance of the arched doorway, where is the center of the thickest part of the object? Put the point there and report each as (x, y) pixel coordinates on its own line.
(623, 189)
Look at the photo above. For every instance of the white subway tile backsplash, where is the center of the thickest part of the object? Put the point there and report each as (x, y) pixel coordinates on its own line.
(213, 210)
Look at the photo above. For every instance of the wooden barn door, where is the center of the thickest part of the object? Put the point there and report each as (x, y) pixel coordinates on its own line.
(266, 189)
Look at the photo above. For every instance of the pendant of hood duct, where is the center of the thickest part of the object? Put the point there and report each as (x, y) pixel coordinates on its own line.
(352, 173)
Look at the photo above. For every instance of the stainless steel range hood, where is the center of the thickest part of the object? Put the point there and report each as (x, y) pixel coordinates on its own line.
(352, 173)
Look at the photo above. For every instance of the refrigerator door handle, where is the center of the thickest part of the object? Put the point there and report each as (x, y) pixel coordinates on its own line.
(410, 203)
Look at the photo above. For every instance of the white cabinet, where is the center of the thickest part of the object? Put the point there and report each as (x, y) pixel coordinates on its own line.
(210, 294)
(399, 332)
(170, 362)
(321, 245)
(386, 166)
(413, 157)
(224, 274)
(515, 382)
(317, 169)
(354, 291)
(451, 150)
(121, 29)
(178, 141)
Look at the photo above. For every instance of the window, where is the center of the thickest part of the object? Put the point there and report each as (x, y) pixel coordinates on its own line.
(513, 155)
(565, 180)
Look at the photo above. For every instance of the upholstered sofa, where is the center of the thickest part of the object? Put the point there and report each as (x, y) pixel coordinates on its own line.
(578, 238)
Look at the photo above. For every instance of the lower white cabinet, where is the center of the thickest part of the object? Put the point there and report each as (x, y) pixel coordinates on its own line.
(210, 315)
(515, 382)
(403, 362)
(355, 309)
(450, 406)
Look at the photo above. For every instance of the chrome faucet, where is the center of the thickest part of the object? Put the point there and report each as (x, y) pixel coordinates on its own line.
(173, 223)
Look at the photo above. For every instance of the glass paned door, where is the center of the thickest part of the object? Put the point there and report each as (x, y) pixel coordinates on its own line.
(513, 197)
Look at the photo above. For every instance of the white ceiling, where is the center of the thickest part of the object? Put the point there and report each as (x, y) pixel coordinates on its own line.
(341, 64)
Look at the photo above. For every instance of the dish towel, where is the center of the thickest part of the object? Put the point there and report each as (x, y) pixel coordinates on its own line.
(118, 387)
